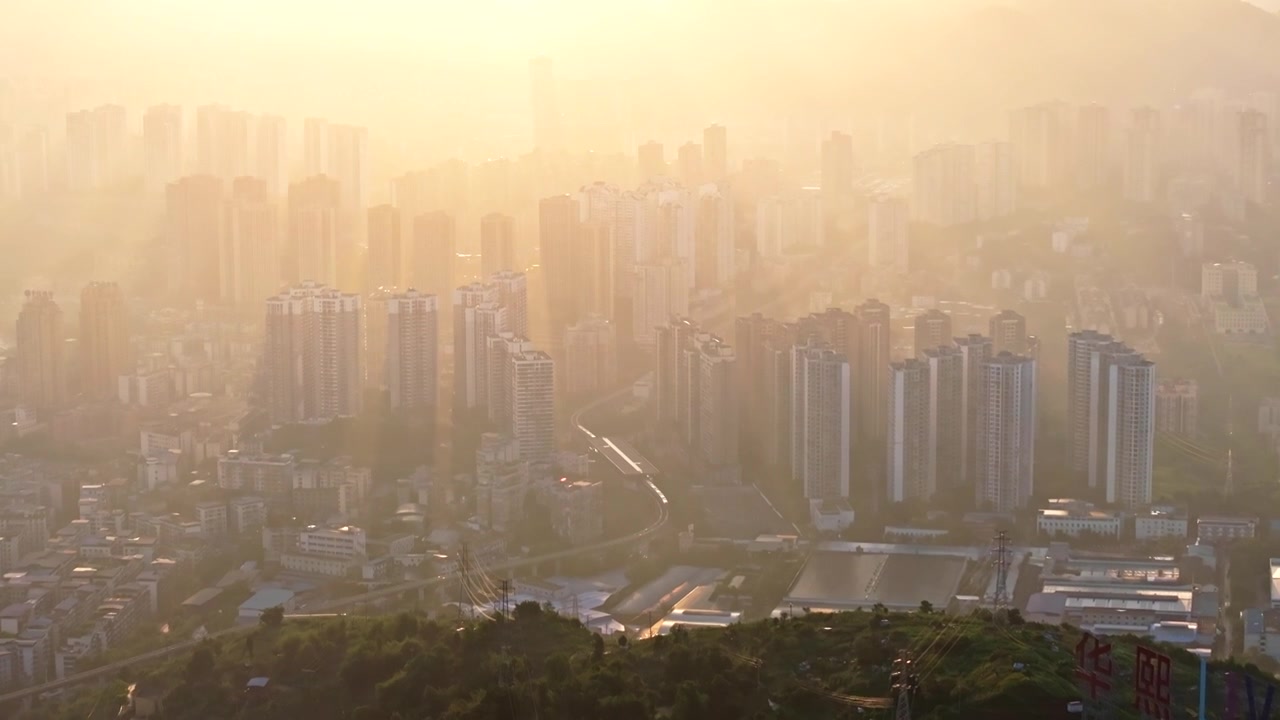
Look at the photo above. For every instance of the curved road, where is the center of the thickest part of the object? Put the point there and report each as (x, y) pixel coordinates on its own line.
(112, 669)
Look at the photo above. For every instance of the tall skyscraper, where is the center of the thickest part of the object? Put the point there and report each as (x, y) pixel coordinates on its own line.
(995, 180)
(558, 229)
(590, 356)
(547, 134)
(412, 350)
(41, 352)
(591, 265)
(375, 326)
(497, 244)
(1008, 332)
(531, 390)
(477, 315)
(714, 232)
(887, 246)
(162, 146)
(672, 339)
(837, 166)
(313, 250)
(513, 296)
(249, 260)
(1093, 146)
(194, 223)
(96, 147)
(222, 142)
(661, 295)
(1006, 433)
(689, 164)
(1142, 156)
(873, 346)
(311, 356)
(1041, 136)
(907, 462)
(434, 253)
(315, 146)
(975, 350)
(718, 411)
(946, 416)
(104, 340)
(349, 164)
(384, 261)
(715, 143)
(651, 161)
(820, 422)
(943, 185)
(932, 330)
(271, 159)
(1253, 161)
(1111, 393)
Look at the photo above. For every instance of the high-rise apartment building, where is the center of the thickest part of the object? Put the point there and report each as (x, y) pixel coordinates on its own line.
(943, 187)
(162, 146)
(315, 147)
(194, 223)
(718, 411)
(945, 446)
(1253, 161)
(907, 461)
(348, 156)
(477, 315)
(502, 482)
(995, 180)
(530, 391)
(661, 295)
(590, 356)
(1178, 407)
(671, 339)
(1008, 333)
(271, 157)
(1111, 394)
(1006, 439)
(222, 142)
(714, 245)
(932, 330)
(433, 253)
(872, 367)
(412, 350)
(249, 259)
(715, 143)
(513, 296)
(820, 423)
(311, 356)
(975, 350)
(1093, 146)
(559, 236)
(97, 147)
(887, 221)
(104, 349)
(1142, 156)
(385, 256)
(837, 165)
(315, 247)
(497, 244)
(1041, 136)
(591, 265)
(41, 352)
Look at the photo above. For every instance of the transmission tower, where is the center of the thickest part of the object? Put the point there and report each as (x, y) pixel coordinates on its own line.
(1000, 600)
(464, 573)
(905, 683)
(506, 598)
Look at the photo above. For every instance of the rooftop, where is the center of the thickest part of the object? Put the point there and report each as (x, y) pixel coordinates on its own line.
(267, 598)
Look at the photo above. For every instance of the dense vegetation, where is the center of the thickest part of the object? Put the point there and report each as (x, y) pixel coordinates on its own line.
(539, 665)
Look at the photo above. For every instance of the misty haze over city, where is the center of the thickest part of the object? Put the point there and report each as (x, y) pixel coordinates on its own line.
(701, 358)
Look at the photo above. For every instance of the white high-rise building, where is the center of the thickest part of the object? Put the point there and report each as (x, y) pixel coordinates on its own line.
(995, 180)
(162, 146)
(222, 142)
(1006, 433)
(477, 315)
(1111, 393)
(96, 147)
(1142, 156)
(311, 356)
(945, 445)
(975, 350)
(661, 295)
(513, 296)
(530, 394)
(1042, 136)
(887, 234)
(821, 422)
(943, 185)
(249, 260)
(412, 349)
(590, 356)
(907, 462)
(718, 414)
(714, 232)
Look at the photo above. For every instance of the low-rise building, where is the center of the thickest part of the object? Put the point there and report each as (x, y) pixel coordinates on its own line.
(577, 510)
(1160, 522)
(1072, 517)
(1222, 528)
(263, 600)
(346, 542)
(1262, 631)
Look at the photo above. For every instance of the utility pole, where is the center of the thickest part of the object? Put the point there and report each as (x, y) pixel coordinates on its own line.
(1000, 600)
(905, 683)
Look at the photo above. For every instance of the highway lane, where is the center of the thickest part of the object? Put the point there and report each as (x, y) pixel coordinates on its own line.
(660, 502)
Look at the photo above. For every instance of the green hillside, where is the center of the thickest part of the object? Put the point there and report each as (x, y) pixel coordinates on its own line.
(539, 665)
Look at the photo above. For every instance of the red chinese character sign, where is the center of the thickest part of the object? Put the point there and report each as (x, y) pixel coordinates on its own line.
(1093, 664)
(1152, 683)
